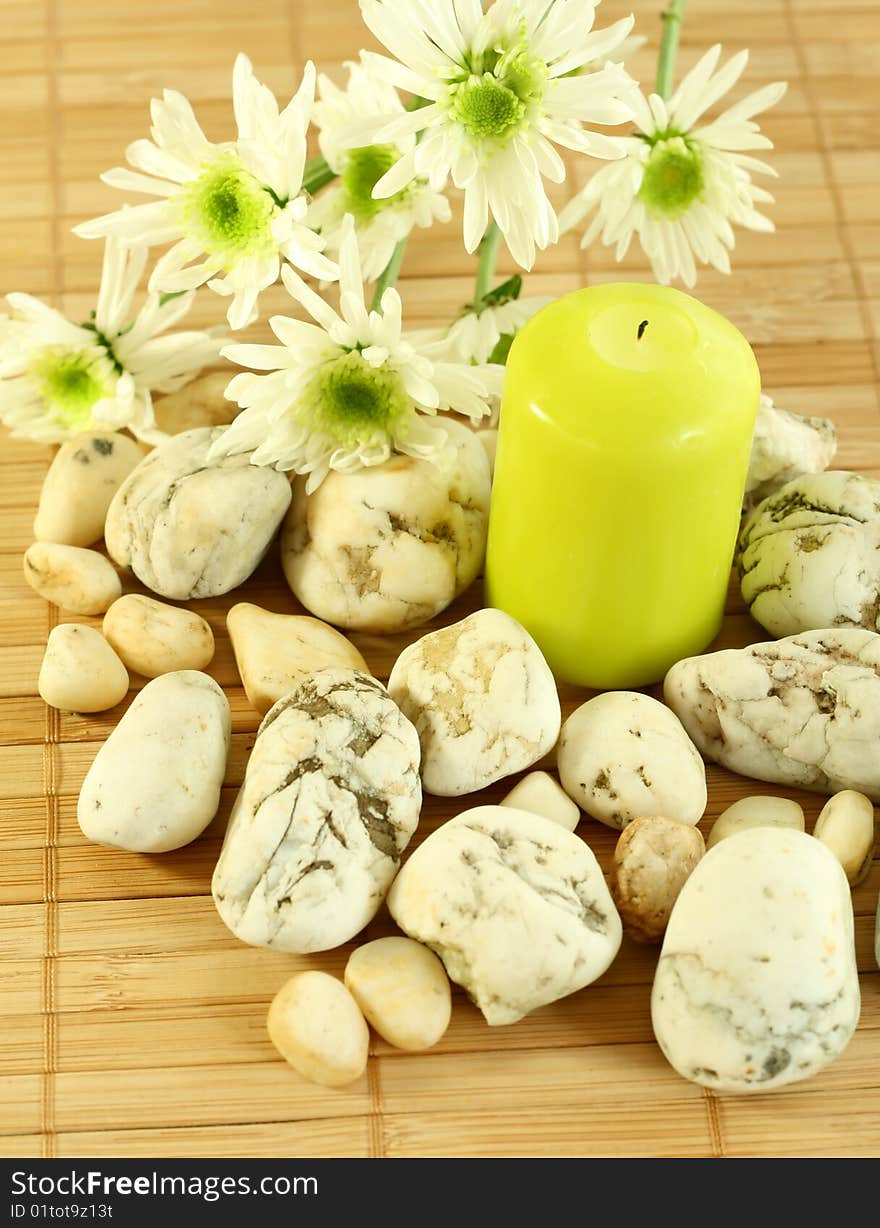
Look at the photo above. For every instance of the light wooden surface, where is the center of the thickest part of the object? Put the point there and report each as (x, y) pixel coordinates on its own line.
(132, 1021)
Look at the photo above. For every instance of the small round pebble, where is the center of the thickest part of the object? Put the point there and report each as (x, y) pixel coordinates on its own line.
(316, 1026)
(78, 580)
(80, 484)
(756, 812)
(80, 671)
(154, 638)
(403, 991)
(652, 862)
(846, 826)
(539, 793)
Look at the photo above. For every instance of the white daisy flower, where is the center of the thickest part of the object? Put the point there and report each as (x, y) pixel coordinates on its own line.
(58, 378)
(682, 187)
(350, 389)
(232, 210)
(381, 224)
(482, 333)
(503, 89)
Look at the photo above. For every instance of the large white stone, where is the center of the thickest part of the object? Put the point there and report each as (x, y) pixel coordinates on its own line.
(515, 906)
(809, 555)
(330, 800)
(155, 783)
(83, 478)
(756, 986)
(390, 546)
(803, 711)
(187, 528)
(624, 756)
(482, 698)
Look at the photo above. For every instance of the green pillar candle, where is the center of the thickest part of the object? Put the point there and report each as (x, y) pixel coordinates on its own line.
(623, 448)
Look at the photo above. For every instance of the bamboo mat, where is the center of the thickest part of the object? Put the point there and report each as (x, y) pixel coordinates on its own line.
(131, 1021)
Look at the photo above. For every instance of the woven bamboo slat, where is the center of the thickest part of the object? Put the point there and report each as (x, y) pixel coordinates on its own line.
(133, 1023)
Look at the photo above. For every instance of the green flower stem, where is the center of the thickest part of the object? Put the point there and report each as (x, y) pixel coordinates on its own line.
(389, 275)
(672, 19)
(486, 268)
(317, 174)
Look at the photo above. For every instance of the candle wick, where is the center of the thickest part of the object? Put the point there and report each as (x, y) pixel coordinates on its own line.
(642, 327)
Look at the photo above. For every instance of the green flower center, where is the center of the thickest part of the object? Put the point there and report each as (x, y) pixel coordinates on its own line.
(486, 108)
(70, 382)
(228, 210)
(355, 403)
(363, 169)
(674, 176)
(492, 99)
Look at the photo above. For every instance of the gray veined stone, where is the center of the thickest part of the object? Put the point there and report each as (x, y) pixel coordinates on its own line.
(802, 711)
(756, 986)
(515, 906)
(786, 445)
(187, 528)
(809, 555)
(329, 802)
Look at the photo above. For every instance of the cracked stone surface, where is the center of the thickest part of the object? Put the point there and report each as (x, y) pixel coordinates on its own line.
(482, 698)
(809, 555)
(786, 445)
(189, 529)
(391, 546)
(801, 711)
(330, 800)
(756, 985)
(624, 756)
(155, 783)
(514, 905)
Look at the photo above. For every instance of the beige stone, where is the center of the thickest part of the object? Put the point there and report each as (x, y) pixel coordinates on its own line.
(80, 671)
(846, 826)
(199, 403)
(153, 638)
(316, 1026)
(274, 652)
(540, 794)
(652, 861)
(390, 546)
(756, 812)
(489, 440)
(82, 480)
(81, 581)
(482, 698)
(403, 991)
